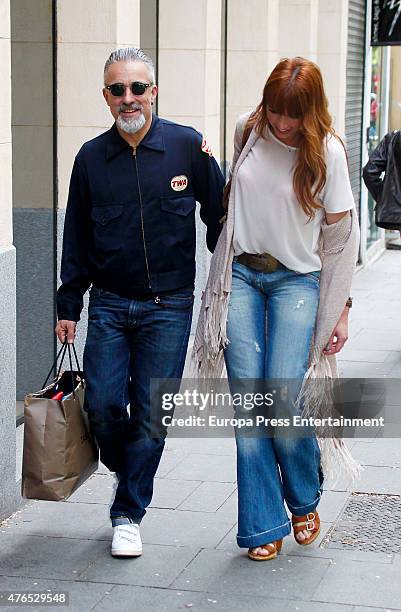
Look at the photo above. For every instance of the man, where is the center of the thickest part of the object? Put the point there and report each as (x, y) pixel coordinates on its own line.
(130, 233)
(386, 190)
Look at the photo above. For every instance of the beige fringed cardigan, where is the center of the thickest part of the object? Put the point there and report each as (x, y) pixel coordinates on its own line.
(338, 250)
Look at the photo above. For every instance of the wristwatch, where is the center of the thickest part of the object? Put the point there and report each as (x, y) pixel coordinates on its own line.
(348, 303)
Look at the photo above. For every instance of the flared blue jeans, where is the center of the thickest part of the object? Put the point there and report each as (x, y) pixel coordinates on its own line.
(270, 327)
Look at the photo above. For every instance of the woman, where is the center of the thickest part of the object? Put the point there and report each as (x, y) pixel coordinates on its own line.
(277, 293)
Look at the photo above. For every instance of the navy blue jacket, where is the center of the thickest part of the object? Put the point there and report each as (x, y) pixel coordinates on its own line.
(130, 219)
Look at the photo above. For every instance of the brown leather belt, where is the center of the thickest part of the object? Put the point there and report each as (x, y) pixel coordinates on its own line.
(262, 263)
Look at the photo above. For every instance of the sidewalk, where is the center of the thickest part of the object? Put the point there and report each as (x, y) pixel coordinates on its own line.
(191, 560)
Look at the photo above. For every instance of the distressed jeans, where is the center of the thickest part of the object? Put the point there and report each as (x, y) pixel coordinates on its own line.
(271, 320)
(129, 342)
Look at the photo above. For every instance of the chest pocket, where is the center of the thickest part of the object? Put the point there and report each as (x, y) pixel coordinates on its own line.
(181, 206)
(107, 230)
(102, 215)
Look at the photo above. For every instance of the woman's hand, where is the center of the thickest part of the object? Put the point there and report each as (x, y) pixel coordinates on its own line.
(339, 336)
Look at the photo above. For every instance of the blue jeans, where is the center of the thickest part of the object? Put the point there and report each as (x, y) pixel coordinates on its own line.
(129, 342)
(271, 320)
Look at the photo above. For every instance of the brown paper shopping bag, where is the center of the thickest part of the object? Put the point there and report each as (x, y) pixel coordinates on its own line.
(59, 451)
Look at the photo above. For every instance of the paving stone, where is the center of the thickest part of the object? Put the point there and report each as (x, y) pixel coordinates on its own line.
(229, 509)
(170, 459)
(394, 357)
(158, 566)
(201, 466)
(363, 584)
(387, 322)
(384, 452)
(392, 423)
(379, 338)
(365, 609)
(386, 308)
(184, 528)
(229, 542)
(168, 600)
(98, 489)
(169, 493)
(341, 484)
(211, 446)
(208, 497)
(392, 390)
(379, 480)
(224, 571)
(352, 354)
(357, 369)
(337, 555)
(390, 291)
(396, 370)
(236, 603)
(82, 595)
(331, 504)
(60, 519)
(178, 528)
(397, 562)
(46, 557)
(360, 293)
(127, 599)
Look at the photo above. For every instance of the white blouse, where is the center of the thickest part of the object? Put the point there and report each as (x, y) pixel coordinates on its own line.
(269, 218)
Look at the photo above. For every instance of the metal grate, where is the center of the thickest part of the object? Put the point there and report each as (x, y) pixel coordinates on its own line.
(369, 522)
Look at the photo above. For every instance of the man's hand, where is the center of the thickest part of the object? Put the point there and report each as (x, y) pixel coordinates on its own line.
(66, 330)
(339, 336)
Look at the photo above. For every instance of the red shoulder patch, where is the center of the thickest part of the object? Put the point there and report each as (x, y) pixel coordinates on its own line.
(206, 148)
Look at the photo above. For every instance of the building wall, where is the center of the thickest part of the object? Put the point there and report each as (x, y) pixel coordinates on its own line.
(190, 84)
(148, 28)
(298, 28)
(315, 29)
(82, 47)
(332, 31)
(32, 154)
(252, 52)
(8, 487)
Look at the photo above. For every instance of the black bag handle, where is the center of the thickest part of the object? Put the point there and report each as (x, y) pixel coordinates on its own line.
(62, 352)
(63, 348)
(71, 370)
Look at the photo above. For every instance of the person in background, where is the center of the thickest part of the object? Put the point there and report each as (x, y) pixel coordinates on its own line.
(382, 177)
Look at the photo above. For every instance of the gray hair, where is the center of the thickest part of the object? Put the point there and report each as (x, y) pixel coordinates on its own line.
(130, 54)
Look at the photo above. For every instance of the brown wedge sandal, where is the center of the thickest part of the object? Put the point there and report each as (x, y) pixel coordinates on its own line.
(273, 548)
(309, 522)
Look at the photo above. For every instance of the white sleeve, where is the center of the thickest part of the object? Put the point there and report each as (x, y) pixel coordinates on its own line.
(337, 194)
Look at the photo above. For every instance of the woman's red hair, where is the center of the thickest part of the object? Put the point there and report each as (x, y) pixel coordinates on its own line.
(295, 88)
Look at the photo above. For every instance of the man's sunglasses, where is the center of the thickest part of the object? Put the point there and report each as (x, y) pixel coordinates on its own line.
(118, 89)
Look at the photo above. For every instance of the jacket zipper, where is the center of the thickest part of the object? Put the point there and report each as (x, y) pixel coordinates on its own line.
(142, 224)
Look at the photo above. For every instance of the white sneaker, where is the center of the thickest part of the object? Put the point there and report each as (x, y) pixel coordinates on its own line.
(126, 541)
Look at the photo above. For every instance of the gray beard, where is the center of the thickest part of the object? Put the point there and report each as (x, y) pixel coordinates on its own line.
(131, 126)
